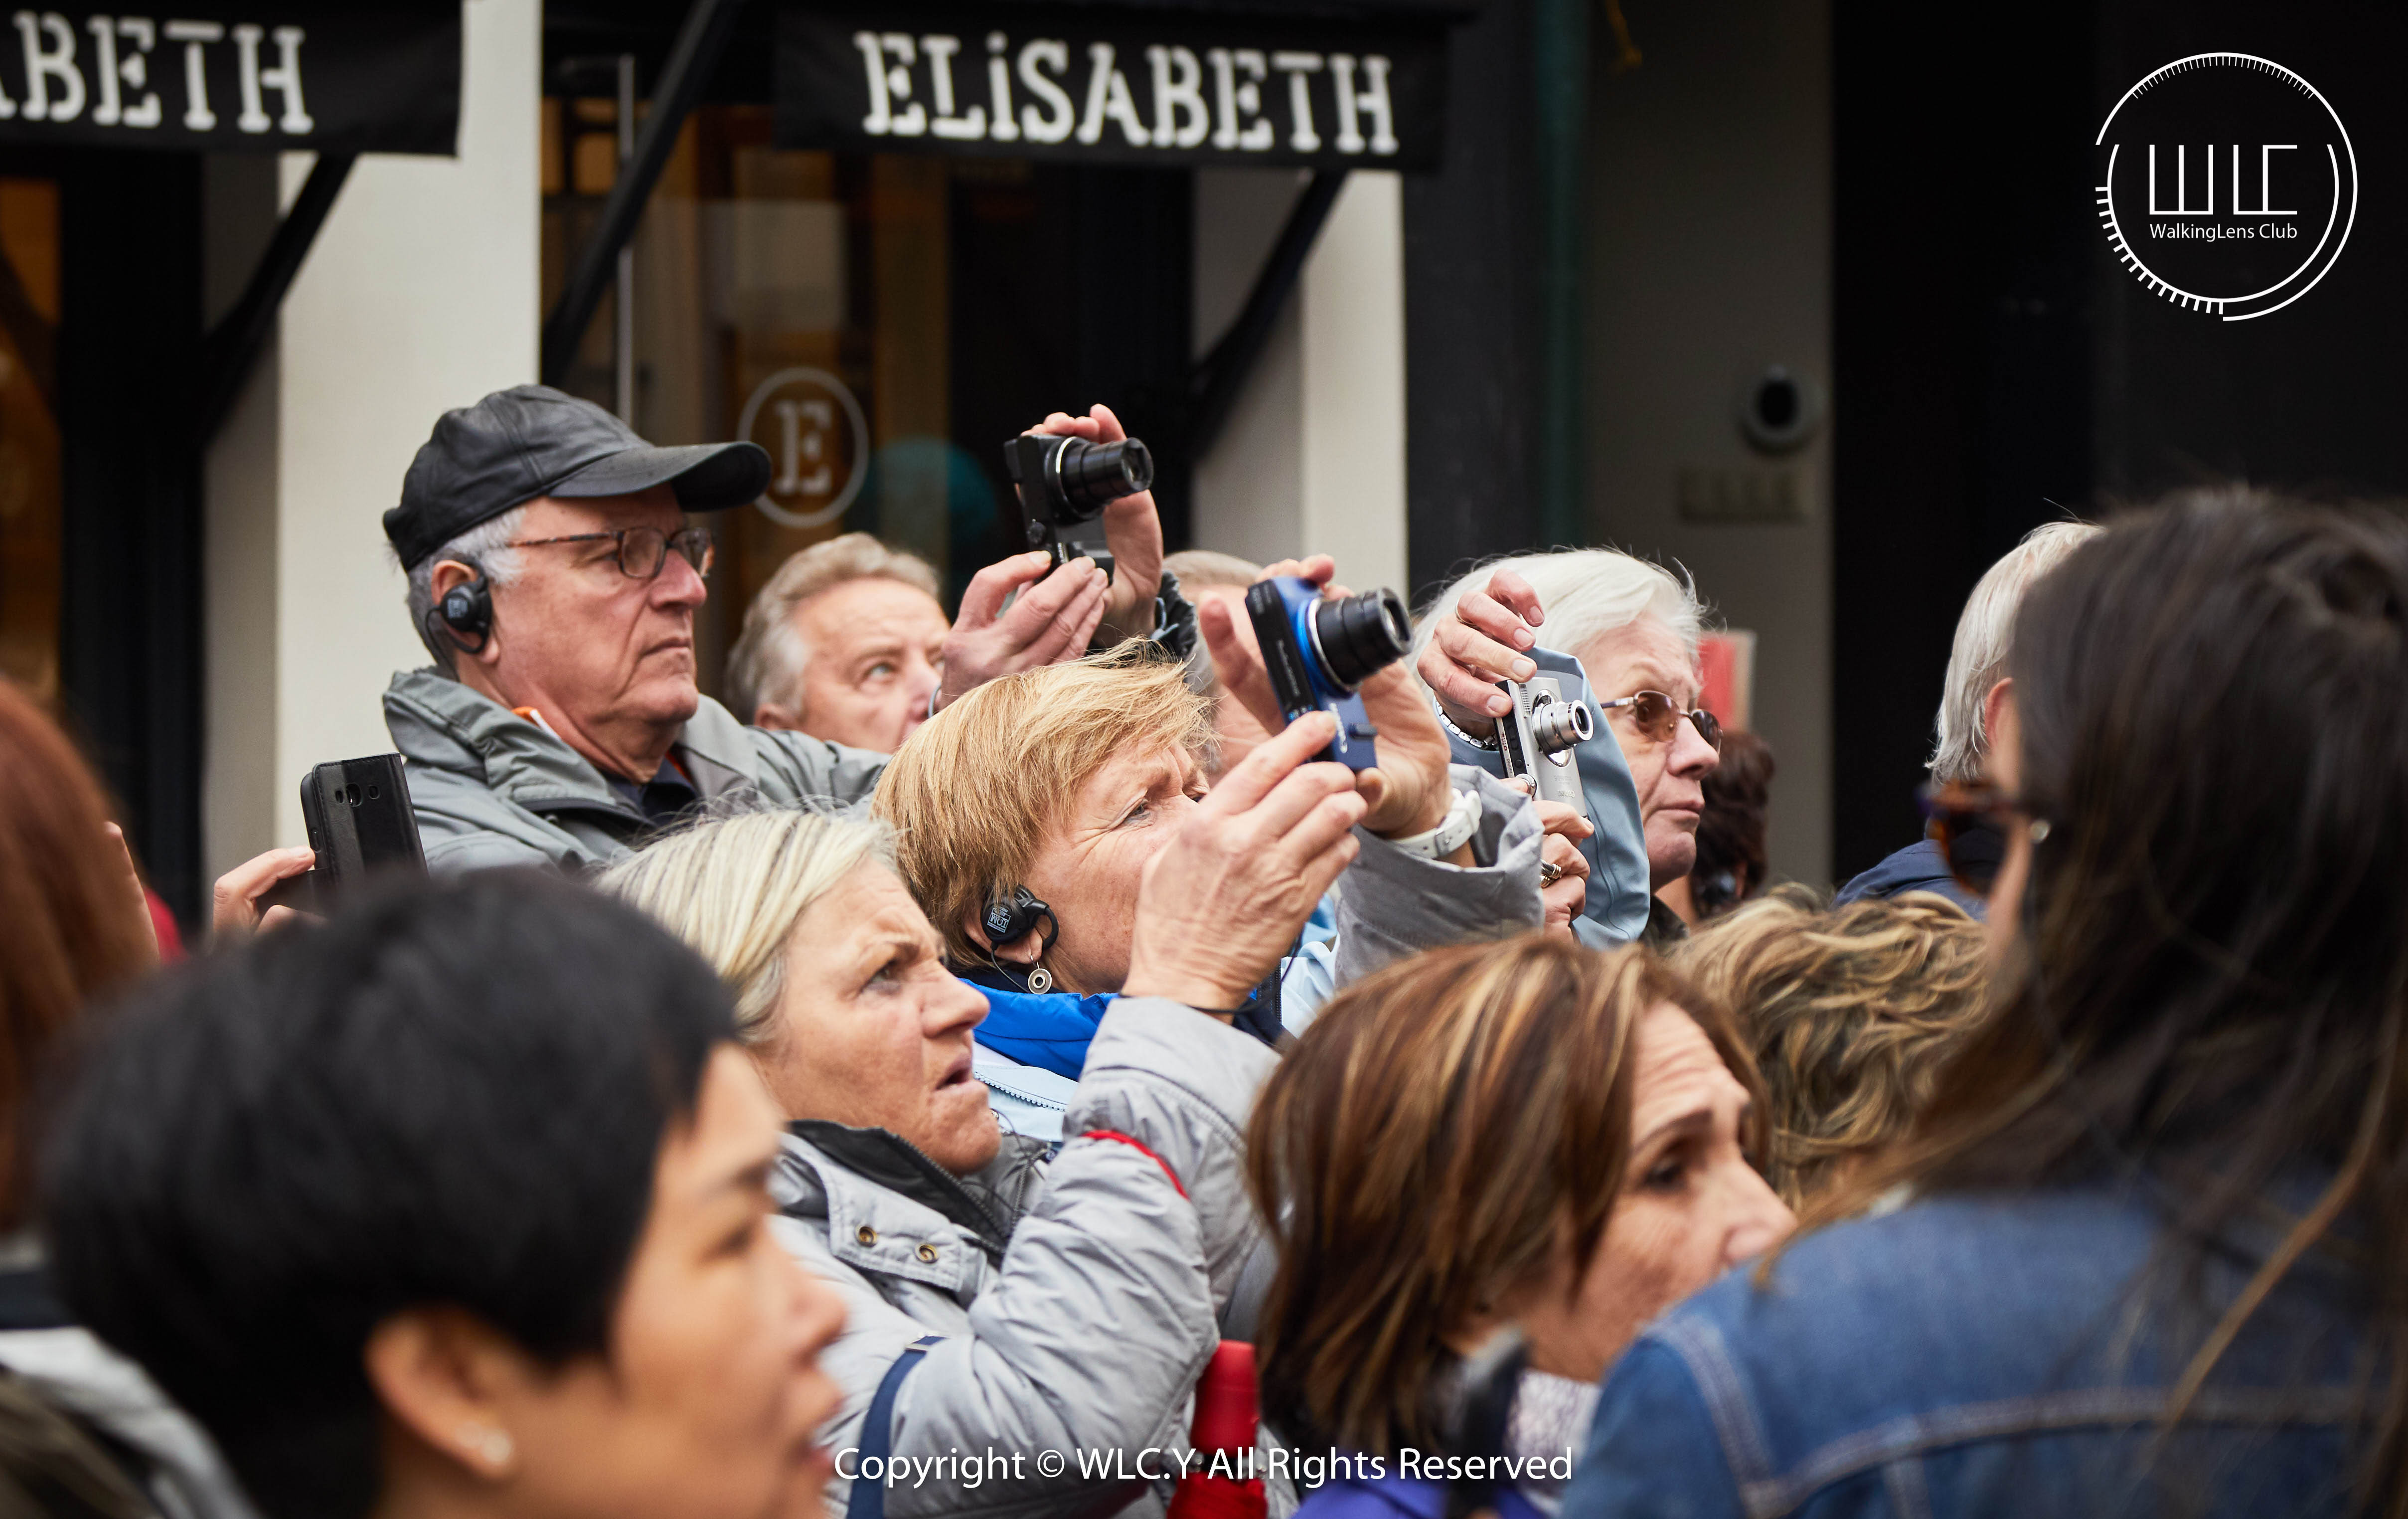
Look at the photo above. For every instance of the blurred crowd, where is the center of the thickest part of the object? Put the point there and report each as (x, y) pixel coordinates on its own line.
(1168, 1036)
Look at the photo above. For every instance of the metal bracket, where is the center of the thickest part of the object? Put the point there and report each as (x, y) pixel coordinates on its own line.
(699, 43)
(233, 347)
(1220, 375)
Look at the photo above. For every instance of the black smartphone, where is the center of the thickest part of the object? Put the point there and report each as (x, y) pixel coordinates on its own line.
(361, 825)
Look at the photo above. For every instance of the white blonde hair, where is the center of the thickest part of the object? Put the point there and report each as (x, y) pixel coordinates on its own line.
(769, 656)
(1584, 595)
(1985, 633)
(734, 887)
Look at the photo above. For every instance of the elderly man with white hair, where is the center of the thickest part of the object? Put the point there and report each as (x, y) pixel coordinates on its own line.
(1622, 633)
(1968, 703)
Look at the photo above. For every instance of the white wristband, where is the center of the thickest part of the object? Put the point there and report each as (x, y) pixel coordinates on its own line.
(1462, 820)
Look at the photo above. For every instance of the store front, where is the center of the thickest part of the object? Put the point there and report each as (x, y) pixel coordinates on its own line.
(109, 382)
(887, 238)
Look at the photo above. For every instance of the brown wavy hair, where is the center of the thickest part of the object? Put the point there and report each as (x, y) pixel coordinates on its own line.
(1438, 1133)
(1851, 1012)
(70, 925)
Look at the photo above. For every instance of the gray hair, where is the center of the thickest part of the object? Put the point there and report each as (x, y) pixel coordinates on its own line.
(734, 887)
(1985, 633)
(486, 546)
(1210, 567)
(769, 656)
(1586, 594)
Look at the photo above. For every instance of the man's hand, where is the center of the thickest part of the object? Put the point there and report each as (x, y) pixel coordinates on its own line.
(1480, 645)
(233, 905)
(1564, 829)
(1408, 792)
(1053, 619)
(1221, 902)
(1132, 530)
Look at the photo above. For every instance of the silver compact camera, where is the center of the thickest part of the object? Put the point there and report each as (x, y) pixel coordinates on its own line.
(1537, 738)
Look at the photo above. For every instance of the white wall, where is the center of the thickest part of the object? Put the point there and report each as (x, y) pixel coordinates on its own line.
(1313, 459)
(419, 295)
(1710, 258)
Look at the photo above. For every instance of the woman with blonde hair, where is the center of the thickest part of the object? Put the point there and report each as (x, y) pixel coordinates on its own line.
(1523, 1135)
(1851, 1014)
(987, 1278)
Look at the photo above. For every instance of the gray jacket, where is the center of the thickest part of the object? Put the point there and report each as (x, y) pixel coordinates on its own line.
(77, 1374)
(491, 789)
(1080, 1298)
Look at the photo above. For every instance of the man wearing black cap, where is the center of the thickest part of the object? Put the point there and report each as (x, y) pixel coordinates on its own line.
(555, 577)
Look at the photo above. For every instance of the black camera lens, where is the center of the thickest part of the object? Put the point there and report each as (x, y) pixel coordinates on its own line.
(1360, 636)
(1095, 475)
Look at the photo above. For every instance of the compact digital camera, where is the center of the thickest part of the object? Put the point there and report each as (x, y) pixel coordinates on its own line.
(1064, 481)
(1537, 737)
(1319, 650)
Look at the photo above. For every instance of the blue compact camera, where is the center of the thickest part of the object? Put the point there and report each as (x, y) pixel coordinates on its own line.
(1319, 652)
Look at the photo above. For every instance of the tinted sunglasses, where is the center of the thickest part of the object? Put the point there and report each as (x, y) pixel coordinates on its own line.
(1969, 822)
(1657, 717)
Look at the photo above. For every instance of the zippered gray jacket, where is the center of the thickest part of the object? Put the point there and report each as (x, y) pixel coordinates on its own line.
(491, 789)
(1081, 1298)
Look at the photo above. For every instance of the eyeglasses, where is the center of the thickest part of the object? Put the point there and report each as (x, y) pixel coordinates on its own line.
(1971, 824)
(1658, 717)
(642, 551)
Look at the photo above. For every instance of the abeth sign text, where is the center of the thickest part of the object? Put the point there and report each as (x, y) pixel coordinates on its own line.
(1141, 93)
(316, 76)
(121, 59)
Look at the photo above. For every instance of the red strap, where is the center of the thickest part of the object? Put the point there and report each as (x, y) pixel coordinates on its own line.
(1140, 1146)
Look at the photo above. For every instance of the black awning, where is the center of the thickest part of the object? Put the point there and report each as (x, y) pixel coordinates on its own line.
(1319, 83)
(264, 75)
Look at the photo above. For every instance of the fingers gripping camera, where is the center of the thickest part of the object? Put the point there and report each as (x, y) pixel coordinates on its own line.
(1064, 481)
(1319, 652)
(1538, 738)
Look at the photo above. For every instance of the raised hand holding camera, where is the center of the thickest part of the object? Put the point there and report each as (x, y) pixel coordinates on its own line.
(1407, 791)
(1094, 470)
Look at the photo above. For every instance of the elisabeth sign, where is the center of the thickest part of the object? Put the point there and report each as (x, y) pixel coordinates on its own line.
(380, 76)
(2230, 185)
(1092, 84)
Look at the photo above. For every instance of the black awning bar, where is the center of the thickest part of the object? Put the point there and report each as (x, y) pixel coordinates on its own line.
(1221, 374)
(699, 43)
(233, 347)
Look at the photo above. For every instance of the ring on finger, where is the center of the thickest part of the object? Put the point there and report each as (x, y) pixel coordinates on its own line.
(1550, 872)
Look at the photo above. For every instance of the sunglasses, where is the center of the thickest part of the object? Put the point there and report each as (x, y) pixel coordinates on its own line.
(1971, 824)
(1657, 717)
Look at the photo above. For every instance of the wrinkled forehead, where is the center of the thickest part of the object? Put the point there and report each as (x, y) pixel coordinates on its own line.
(1149, 769)
(655, 508)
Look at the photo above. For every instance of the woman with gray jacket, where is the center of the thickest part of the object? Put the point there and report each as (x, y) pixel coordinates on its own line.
(1074, 1300)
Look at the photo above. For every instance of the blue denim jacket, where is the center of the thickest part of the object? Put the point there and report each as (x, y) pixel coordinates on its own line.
(1980, 1355)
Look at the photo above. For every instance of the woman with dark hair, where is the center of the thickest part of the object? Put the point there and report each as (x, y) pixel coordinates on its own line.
(1523, 1135)
(458, 1205)
(2150, 1254)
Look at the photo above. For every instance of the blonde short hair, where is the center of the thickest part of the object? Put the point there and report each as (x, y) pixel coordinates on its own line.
(973, 793)
(769, 656)
(733, 888)
(1851, 1014)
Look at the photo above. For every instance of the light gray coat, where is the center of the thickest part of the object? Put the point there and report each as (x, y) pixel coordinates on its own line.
(491, 789)
(1080, 1299)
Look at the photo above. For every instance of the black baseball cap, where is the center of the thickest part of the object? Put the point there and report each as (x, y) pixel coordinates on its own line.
(533, 441)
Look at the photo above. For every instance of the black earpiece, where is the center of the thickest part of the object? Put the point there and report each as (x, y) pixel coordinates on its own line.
(1008, 918)
(466, 611)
